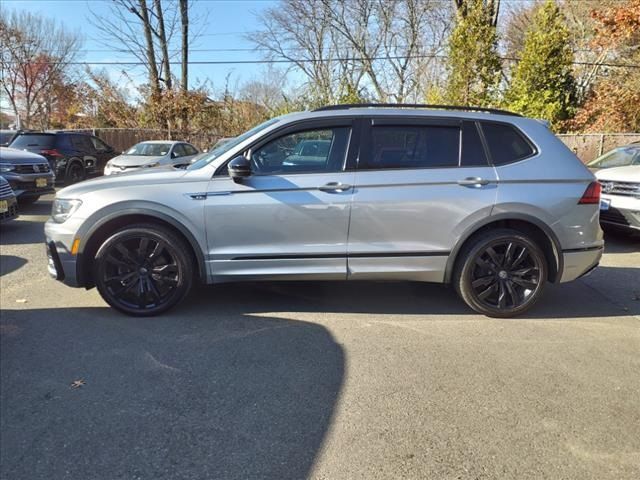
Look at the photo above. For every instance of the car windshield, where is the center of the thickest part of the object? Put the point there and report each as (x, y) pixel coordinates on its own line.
(149, 149)
(31, 140)
(5, 137)
(620, 157)
(225, 147)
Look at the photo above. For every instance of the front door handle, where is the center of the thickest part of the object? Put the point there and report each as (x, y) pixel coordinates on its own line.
(473, 182)
(334, 187)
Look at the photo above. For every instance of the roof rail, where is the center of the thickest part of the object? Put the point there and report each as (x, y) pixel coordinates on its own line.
(347, 106)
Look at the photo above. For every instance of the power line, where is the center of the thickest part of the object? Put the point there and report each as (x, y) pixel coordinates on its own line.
(305, 60)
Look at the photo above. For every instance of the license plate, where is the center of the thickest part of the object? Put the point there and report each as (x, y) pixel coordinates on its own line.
(41, 182)
(604, 204)
(4, 206)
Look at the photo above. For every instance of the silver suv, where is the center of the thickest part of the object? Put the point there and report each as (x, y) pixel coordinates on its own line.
(485, 200)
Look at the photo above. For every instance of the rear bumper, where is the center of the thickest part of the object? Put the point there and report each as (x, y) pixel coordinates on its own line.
(580, 262)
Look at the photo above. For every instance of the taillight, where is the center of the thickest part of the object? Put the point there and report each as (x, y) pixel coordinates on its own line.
(591, 194)
(52, 152)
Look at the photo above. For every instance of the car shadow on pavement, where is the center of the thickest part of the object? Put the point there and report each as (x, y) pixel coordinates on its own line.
(216, 394)
(10, 263)
(570, 300)
(41, 207)
(22, 232)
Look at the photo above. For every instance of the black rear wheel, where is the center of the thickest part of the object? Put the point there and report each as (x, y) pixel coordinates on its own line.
(143, 271)
(502, 273)
(75, 173)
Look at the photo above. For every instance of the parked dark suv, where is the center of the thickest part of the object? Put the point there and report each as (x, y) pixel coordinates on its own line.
(72, 156)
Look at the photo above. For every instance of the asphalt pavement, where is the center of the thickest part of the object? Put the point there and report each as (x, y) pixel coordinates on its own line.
(316, 380)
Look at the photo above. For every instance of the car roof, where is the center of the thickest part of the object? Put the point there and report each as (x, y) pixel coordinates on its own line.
(172, 142)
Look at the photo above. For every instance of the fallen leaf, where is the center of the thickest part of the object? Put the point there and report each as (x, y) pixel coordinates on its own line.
(78, 383)
(21, 300)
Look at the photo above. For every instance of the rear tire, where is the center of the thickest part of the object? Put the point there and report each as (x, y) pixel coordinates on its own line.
(501, 273)
(144, 270)
(75, 173)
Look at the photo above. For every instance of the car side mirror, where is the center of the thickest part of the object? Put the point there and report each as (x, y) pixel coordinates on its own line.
(239, 168)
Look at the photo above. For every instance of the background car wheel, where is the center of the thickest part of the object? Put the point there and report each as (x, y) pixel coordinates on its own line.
(28, 200)
(501, 273)
(75, 173)
(143, 271)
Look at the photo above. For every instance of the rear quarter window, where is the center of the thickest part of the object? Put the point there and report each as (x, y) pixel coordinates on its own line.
(506, 144)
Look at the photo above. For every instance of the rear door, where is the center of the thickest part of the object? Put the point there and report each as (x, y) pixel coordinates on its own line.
(420, 183)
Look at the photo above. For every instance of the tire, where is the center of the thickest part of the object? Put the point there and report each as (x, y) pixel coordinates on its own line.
(28, 200)
(75, 173)
(144, 270)
(501, 273)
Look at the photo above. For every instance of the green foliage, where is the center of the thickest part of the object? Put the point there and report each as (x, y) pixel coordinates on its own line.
(542, 85)
(474, 64)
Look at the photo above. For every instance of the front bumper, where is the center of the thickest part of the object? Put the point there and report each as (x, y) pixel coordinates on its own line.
(623, 212)
(29, 185)
(62, 264)
(579, 262)
(11, 211)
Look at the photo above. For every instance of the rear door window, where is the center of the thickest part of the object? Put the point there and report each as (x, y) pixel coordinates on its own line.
(506, 144)
(413, 146)
(473, 153)
(31, 140)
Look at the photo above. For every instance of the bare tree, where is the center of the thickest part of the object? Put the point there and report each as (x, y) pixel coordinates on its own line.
(35, 55)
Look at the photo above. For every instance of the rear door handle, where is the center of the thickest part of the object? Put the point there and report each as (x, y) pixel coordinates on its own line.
(334, 187)
(473, 182)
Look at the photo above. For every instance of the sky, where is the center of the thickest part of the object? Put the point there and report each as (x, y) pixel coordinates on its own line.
(224, 25)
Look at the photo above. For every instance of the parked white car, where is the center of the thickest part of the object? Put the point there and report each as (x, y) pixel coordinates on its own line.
(149, 154)
(620, 200)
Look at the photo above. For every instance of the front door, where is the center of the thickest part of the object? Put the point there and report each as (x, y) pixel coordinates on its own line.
(290, 218)
(420, 183)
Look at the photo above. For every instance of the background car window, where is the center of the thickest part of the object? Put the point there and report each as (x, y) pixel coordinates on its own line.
(190, 149)
(414, 147)
(31, 140)
(99, 144)
(303, 152)
(505, 143)
(81, 143)
(618, 158)
(473, 154)
(149, 149)
(178, 151)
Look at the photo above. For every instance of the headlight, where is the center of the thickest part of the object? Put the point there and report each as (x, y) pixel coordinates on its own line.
(149, 165)
(109, 164)
(6, 167)
(63, 209)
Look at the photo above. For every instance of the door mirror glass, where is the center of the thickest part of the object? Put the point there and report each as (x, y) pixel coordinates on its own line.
(239, 168)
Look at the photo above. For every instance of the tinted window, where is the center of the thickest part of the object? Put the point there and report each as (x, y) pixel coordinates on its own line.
(81, 143)
(178, 151)
(505, 143)
(30, 140)
(321, 150)
(5, 137)
(99, 144)
(413, 147)
(473, 153)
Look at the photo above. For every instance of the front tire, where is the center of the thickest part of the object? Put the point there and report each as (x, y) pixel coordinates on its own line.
(143, 271)
(501, 273)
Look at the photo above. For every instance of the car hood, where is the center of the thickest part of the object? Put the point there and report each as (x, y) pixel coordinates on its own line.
(13, 155)
(151, 176)
(134, 160)
(630, 173)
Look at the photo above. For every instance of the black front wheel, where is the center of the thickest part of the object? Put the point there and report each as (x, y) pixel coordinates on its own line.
(502, 273)
(143, 271)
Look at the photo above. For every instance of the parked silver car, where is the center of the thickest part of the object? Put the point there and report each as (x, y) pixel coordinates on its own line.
(149, 154)
(488, 201)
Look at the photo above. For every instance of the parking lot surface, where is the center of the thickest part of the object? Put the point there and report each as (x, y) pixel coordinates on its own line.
(317, 380)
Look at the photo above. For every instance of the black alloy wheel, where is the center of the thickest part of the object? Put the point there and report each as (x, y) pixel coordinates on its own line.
(143, 271)
(503, 274)
(75, 173)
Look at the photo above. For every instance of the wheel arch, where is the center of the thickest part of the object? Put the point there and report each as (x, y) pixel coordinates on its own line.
(524, 223)
(100, 230)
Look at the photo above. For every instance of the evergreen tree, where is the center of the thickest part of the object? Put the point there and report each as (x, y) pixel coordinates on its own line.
(474, 64)
(542, 85)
